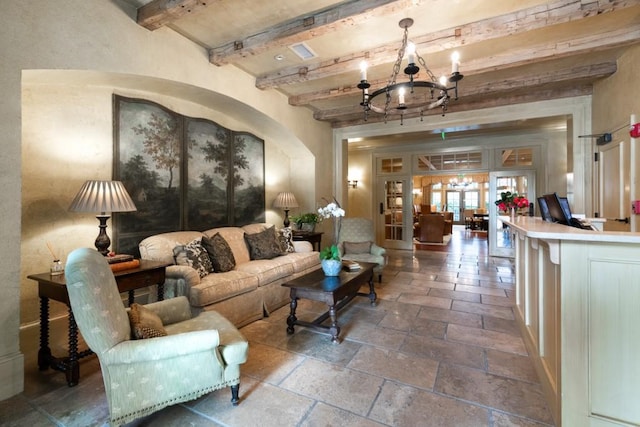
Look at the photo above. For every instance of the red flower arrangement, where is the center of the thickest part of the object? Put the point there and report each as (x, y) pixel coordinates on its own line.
(510, 200)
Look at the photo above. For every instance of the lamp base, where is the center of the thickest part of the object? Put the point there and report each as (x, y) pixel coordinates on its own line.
(286, 218)
(102, 241)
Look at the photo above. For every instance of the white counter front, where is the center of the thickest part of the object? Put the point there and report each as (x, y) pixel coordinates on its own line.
(578, 303)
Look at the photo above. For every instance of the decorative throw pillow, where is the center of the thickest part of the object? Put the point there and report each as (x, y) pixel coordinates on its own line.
(193, 255)
(219, 252)
(357, 247)
(145, 323)
(285, 238)
(263, 245)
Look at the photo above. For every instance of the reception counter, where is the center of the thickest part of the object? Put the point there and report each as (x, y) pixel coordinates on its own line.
(578, 304)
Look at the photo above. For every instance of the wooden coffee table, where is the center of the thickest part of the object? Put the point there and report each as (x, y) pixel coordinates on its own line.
(336, 292)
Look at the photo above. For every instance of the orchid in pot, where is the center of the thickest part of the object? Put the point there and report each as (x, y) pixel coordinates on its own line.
(330, 255)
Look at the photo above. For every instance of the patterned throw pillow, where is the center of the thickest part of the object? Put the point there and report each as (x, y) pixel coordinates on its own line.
(145, 323)
(357, 247)
(263, 245)
(193, 255)
(219, 252)
(285, 238)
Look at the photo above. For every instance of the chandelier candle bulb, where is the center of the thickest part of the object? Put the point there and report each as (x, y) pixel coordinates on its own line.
(455, 62)
(411, 50)
(401, 96)
(363, 71)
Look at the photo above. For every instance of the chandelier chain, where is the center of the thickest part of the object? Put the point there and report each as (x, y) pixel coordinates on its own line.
(395, 72)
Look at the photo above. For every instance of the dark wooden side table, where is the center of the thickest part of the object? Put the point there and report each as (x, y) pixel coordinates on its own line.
(313, 237)
(55, 287)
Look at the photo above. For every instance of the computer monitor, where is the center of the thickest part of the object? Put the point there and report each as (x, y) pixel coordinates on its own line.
(558, 214)
(566, 209)
(544, 210)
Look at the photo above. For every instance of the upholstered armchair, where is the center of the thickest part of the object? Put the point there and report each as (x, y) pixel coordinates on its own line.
(198, 355)
(356, 242)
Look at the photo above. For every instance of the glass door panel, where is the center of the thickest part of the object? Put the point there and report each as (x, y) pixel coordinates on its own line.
(453, 204)
(396, 213)
(471, 199)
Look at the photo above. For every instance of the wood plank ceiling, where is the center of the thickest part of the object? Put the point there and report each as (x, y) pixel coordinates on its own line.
(511, 51)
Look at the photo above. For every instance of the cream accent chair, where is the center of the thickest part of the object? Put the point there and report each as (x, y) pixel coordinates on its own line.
(358, 230)
(200, 354)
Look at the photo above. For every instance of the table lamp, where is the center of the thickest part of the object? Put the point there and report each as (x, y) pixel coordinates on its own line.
(285, 200)
(102, 197)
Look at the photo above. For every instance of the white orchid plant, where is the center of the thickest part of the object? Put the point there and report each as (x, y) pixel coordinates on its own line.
(332, 210)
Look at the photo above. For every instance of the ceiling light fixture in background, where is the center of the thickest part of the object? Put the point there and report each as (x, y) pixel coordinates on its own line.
(414, 96)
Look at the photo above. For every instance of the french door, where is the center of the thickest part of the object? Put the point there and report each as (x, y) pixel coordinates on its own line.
(395, 214)
(459, 200)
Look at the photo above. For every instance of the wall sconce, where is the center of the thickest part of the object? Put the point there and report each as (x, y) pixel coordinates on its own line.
(353, 183)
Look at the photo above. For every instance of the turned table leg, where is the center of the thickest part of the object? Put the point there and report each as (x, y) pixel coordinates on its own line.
(291, 320)
(372, 292)
(44, 353)
(334, 329)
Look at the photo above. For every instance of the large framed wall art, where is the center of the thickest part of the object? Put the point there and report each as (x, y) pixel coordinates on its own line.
(183, 173)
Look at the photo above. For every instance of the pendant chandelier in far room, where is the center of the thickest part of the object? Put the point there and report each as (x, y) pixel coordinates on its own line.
(413, 96)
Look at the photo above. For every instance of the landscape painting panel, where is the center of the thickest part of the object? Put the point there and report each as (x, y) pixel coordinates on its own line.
(207, 170)
(147, 160)
(248, 179)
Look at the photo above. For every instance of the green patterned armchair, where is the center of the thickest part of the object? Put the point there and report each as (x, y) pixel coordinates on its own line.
(198, 355)
(356, 242)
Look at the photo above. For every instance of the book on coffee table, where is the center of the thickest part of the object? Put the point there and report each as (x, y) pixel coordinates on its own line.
(114, 259)
(350, 265)
(125, 265)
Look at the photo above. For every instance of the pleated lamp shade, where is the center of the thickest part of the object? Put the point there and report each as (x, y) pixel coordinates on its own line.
(285, 200)
(102, 197)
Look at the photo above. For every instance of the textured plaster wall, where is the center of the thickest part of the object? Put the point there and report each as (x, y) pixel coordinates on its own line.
(66, 58)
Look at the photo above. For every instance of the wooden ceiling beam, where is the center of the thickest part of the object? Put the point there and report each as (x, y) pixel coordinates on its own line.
(592, 71)
(351, 116)
(492, 28)
(159, 13)
(302, 28)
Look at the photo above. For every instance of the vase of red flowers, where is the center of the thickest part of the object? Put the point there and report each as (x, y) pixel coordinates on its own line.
(511, 202)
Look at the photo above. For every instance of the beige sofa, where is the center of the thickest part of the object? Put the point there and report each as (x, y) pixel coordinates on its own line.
(245, 294)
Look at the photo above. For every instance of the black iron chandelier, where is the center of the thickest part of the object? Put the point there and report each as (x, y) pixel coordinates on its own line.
(414, 96)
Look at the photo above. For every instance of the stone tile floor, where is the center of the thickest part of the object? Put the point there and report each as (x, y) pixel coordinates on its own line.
(441, 348)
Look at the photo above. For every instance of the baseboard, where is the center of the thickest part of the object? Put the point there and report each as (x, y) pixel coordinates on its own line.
(11, 375)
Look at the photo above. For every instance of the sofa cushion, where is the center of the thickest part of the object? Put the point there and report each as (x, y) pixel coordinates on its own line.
(285, 239)
(194, 255)
(301, 261)
(357, 247)
(221, 286)
(219, 253)
(263, 245)
(268, 270)
(234, 236)
(145, 323)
